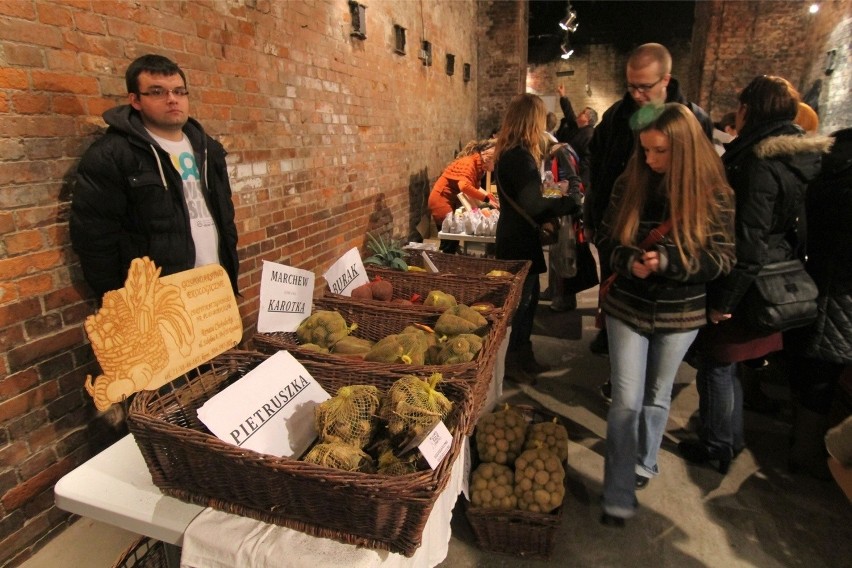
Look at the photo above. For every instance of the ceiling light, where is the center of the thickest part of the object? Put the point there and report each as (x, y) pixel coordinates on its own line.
(567, 50)
(569, 22)
(814, 8)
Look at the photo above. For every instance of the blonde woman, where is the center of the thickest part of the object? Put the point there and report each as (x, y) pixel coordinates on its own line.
(518, 154)
(669, 230)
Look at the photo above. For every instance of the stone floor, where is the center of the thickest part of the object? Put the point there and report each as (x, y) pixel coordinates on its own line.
(757, 515)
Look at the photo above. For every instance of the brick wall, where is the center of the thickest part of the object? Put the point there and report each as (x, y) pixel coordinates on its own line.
(329, 136)
(502, 59)
(739, 40)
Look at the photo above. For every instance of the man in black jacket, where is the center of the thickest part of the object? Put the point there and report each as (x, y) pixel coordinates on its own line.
(577, 130)
(155, 184)
(649, 82)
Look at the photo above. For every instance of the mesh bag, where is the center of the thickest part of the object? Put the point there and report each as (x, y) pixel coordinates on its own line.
(350, 416)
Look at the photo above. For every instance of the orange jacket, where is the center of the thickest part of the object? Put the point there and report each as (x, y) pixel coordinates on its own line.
(463, 175)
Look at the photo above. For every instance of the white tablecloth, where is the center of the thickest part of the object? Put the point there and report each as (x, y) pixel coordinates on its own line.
(221, 540)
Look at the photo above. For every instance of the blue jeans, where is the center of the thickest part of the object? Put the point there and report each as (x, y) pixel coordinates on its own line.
(522, 321)
(643, 369)
(720, 406)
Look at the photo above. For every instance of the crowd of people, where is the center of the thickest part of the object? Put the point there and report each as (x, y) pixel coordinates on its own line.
(685, 214)
(683, 222)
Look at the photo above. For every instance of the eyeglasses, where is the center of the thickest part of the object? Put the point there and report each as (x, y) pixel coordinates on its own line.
(161, 93)
(643, 88)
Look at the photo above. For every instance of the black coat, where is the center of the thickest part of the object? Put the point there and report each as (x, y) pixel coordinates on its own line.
(128, 203)
(829, 212)
(612, 144)
(579, 138)
(519, 178)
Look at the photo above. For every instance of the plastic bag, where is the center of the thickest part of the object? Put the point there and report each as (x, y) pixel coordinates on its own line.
(563, 253)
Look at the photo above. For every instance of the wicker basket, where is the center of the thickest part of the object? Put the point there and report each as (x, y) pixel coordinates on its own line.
(516, 532)
(377, 321)
(189, 463)
(466, 289)
(144, 553)
(470, 266)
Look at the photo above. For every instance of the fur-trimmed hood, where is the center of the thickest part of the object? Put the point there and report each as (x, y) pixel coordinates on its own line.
(789, 145)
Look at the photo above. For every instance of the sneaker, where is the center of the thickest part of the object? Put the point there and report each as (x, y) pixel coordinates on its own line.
(606, 391)
(600, 344)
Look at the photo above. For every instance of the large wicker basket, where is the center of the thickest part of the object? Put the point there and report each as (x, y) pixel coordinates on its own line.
(468, 290)
(471, 266)
(189, 463)
(375, 322)
(516, 532)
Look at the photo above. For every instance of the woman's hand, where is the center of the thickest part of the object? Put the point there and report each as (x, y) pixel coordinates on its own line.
(646, 264)
(716, 316)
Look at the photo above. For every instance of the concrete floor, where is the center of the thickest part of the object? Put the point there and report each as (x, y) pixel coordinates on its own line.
(757, 515)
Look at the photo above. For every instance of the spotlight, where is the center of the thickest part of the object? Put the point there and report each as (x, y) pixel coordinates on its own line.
(814, 8)
(569, 22)
(567, 51)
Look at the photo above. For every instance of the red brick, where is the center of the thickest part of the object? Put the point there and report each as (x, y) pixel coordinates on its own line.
(25, 402)
(28, 264)
(122, 28)
(44, 125)
(13, 78)
(64, 83)
(21, 172)
(13, 454)
(21, 357)
(36, 463)
(30, 33)
(13, 550)
(19, 311)
(69, 104)
(27, 490)
(89, 23)
(62, 297)
(18, 9)
(4, 102)
(35, 285)
(54, 15)
(13, 385)
(7, 219)
(22, 242)
(25, 55)
(62, 60)
(44, 325)
(10, 337)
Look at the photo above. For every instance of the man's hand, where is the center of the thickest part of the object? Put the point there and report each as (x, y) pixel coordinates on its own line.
(561, 89)
(716, 316)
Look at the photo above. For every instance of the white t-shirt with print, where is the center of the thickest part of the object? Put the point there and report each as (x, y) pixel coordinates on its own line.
(204, 232)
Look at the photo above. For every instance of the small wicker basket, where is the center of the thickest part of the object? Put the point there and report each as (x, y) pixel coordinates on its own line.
(144, 553)
(516, 532)
(189, 463)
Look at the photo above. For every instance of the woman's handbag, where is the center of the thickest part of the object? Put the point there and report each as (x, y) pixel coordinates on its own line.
(587, 271)
(563, 253)
(783, 297)
(548, 230)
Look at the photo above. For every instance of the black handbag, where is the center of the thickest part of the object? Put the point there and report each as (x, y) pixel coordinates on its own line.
(783, 297)
(587, 271)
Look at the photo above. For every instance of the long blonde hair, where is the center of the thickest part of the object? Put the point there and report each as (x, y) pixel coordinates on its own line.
(695, 185)
(523, 125)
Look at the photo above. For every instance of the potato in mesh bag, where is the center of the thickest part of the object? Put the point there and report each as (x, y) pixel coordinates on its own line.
(539, 481)
(551, 435)
(349, 416)
(324, 328)
(412, 405)
(492, 486)
(391, 464)
(500, 436)
(340, 456)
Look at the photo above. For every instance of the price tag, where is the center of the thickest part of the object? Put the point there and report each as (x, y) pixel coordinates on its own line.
(467, 465)
(436, 445)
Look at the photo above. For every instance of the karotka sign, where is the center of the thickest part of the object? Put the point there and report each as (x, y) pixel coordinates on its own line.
(270, 410)
(286, 294)
(156, 329)
(346, 274)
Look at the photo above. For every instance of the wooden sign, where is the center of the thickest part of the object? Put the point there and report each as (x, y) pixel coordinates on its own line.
(156, 329)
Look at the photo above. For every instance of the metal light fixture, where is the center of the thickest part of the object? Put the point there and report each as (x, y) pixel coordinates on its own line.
(567, 50)
(569, 23)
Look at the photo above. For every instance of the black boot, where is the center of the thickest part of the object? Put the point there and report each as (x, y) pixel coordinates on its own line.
(754, 399)
(527, 362)
(697, 452)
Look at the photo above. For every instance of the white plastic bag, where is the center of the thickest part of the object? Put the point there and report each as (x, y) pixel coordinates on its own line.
(563, 254)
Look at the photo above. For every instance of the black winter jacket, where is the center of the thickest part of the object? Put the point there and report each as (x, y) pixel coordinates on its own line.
(518, 177)
(769, 167)
(579, 138)
(612, 144)
(128, 202)
(829, 210)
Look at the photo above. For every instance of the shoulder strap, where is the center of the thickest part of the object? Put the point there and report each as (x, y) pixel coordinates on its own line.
(657, 234)
(514, 205)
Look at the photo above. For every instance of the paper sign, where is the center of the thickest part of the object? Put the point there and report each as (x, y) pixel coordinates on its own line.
(428, 262)
(436, 445)
(270, 410)
(286, 294)
(466, 468)
(346, 274)
(156, 329)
